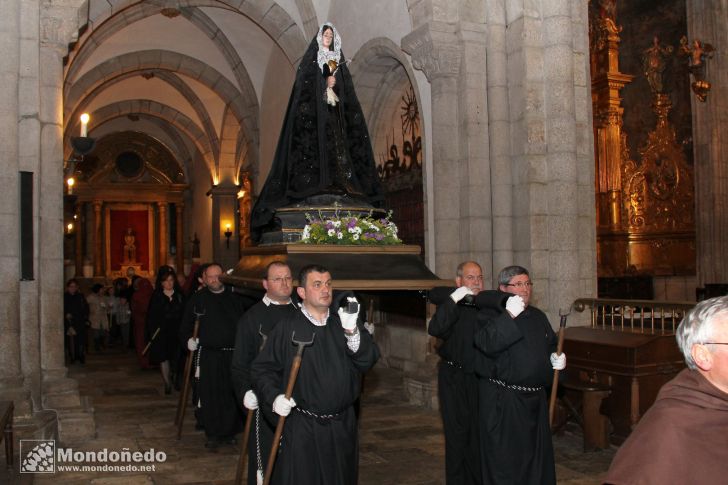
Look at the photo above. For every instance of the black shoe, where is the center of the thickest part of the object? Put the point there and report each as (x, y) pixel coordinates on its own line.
(167, 389)
(199, 427)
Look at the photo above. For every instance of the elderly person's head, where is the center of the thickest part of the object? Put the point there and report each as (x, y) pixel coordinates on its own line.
(703, 339)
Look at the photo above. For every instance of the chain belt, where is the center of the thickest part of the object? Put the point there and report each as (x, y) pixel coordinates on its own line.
(315, 415)
(515, 387)
(453, 364)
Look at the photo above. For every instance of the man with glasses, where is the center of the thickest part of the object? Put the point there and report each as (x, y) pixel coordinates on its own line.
(455, 322)
(252, 333)
(682, 437)
(319, 443)
(515, 366)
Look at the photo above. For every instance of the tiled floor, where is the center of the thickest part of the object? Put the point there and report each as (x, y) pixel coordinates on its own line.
(400, 444)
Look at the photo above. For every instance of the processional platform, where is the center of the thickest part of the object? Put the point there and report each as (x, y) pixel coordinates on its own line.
(390, 267)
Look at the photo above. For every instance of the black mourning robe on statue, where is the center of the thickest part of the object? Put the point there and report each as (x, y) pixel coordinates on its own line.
(322, 149)
(515, 437)
(315, 450)
(457, 385)
(219, 411)
(259, 319)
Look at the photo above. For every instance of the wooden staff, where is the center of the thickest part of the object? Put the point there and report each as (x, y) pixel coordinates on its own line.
(182, 404)
(248, 424)
(555, 383)
(149, 344)
(295, 366)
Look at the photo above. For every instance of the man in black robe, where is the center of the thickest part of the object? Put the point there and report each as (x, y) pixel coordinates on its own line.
(322, 148)
(217, 404)
(455, 323)
(514, 367)
(252, 334)
(319, 443)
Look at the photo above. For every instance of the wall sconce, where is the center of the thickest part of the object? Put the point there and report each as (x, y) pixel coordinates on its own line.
(69, 229)
(228, 234)
(70, 182)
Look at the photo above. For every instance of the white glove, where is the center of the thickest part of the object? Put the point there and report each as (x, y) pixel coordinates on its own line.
(283, 406)
(369, 327)
(259, 477)
(192, 343)
(558, 362)
(250, 401)
(348, 320)
(460, 293)
(515, 305)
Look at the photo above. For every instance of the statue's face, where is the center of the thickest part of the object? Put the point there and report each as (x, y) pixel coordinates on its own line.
(327, 38)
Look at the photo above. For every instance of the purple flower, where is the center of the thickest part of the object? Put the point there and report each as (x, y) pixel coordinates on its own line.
(352, 222)
(378, 237)
(329, 225)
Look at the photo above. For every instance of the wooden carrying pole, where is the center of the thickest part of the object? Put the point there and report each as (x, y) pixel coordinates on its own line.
(248, 424)
(295, 366)
(244, 448)
(182, 404)
(555, 383)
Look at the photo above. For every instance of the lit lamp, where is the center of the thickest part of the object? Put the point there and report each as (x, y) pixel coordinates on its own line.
(70, 182)
(228, 234)
(82, 145)
(69, 228)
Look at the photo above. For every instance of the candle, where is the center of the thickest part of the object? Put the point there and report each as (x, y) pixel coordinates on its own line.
(84, 125)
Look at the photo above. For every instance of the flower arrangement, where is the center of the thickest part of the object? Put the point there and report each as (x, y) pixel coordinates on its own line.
(350, 229)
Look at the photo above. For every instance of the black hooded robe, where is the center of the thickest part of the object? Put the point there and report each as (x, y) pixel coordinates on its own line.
(219, 411)
(315, 450)
(515, 437)
(259, 319)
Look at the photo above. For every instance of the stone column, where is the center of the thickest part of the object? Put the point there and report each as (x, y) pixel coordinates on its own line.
(153, 264)
(180, 259)
(706, 21)
(11, 378)
(98, 239)
(434, 49)
(162, 207)
(80, 228)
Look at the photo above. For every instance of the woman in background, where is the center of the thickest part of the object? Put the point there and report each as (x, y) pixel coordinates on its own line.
(166, 307)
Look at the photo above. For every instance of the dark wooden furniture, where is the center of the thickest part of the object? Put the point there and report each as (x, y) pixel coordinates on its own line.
(6, 424)
(633, 365)
(587, 411)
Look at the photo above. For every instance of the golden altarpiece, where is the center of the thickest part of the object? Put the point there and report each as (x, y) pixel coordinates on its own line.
(127, 205)
(645, 205)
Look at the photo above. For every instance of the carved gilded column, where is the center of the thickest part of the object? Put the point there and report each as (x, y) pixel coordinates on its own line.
(162, 207)
(78, 211)
(98, 242)
(607, 82)
(180, 257)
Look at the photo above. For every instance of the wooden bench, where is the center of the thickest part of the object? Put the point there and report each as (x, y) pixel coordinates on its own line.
(6, 424)
(594, 424)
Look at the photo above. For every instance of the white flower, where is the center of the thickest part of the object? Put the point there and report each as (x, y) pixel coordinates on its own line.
(339, 235)
(331, 232)
(355, 237)
(351, 230)
(357, 230)
(336, 223)
(306, 233)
